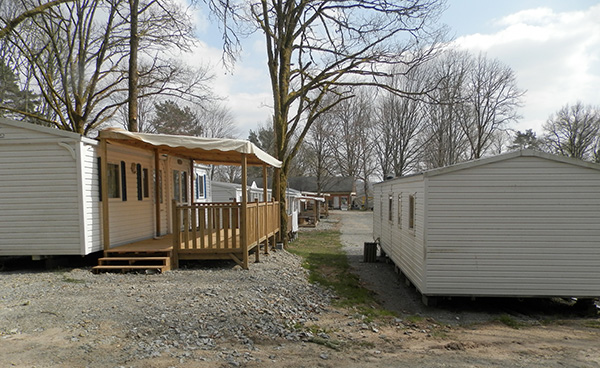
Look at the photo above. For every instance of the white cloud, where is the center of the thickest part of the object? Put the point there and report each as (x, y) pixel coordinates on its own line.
(556, 56)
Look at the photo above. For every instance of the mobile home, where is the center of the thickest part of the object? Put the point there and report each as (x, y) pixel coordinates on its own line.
(64, 194)
(522, 224)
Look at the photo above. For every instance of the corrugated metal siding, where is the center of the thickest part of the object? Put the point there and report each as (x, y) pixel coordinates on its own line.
(527, 226)
(406, 247)
(39, 209)
(131, 220)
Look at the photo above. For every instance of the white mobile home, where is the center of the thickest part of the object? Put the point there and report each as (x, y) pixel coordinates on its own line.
(522, 224)
(48, 191)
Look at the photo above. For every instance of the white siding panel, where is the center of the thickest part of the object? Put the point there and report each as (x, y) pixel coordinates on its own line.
(92, 220)
(526, 226)
(39, 209)
(406, 247)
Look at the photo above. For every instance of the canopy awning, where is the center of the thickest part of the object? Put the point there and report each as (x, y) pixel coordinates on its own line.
(219, 151)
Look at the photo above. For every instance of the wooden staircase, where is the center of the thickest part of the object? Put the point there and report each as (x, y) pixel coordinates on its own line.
(137, 258)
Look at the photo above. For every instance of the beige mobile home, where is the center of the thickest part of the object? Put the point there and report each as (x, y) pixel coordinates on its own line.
(137, 197)
(522, 224)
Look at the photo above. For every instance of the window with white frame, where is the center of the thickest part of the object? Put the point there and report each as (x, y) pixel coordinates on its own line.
(200, 186)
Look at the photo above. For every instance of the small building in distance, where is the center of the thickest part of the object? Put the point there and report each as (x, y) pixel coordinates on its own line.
(521, 224)
(339, 191)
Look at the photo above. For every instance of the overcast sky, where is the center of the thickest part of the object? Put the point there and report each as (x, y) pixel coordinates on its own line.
(553, 47)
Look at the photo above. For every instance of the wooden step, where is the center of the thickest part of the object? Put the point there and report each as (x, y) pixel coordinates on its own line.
(123, 268)
(117, 253)
(163, 260)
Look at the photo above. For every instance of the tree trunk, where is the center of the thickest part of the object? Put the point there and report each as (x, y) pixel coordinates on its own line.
(280, 185)
(134, 41)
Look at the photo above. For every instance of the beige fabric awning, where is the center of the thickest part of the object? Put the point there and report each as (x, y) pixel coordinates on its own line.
(219, 151)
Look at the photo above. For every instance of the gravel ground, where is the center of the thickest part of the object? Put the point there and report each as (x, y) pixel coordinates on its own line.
(214, 314)
(172, 314)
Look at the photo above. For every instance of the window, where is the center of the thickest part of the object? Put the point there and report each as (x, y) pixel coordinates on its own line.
(113, 181)
(400, 210)
(390, 207)
(180, 186)
(412, 203)
(159, 182)
(123, 182)
(184, 187)
(177, 185)
(143, 184)
(200, 185)
(146, 183)
(139, 180)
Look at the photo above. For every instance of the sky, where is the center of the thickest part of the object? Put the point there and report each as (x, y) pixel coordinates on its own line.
(553, 47)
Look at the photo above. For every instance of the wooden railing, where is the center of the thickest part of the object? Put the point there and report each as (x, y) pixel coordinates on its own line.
(217, 231)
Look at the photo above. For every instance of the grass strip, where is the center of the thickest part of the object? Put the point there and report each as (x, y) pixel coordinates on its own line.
(328, 265)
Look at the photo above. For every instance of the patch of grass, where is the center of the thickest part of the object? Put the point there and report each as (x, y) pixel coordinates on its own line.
(414, 319)
(72, 280)
(509, 321)
(592, 323)
(328, 265)
(332, 344)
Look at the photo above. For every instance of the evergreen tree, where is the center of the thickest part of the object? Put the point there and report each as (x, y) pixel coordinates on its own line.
(526, 140)
(12, 97)
(171, 119)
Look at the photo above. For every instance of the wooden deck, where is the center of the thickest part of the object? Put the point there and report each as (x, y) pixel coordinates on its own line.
(203, 232)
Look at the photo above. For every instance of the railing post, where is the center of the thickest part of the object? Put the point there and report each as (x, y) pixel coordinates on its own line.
(243, 214)
(257, 227)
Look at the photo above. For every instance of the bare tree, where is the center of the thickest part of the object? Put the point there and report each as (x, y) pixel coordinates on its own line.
(218, 121)
(320, 155)
(493, 98)
(321, 47)
(76, 54)
(443, 140)
(9, 24)
(574, 131)
(399, 125)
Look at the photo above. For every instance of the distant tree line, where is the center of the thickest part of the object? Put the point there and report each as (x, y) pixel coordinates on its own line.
(462, 109)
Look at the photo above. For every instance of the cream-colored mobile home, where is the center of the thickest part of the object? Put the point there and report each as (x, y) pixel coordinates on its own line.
(522, 224)
(129, 195)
